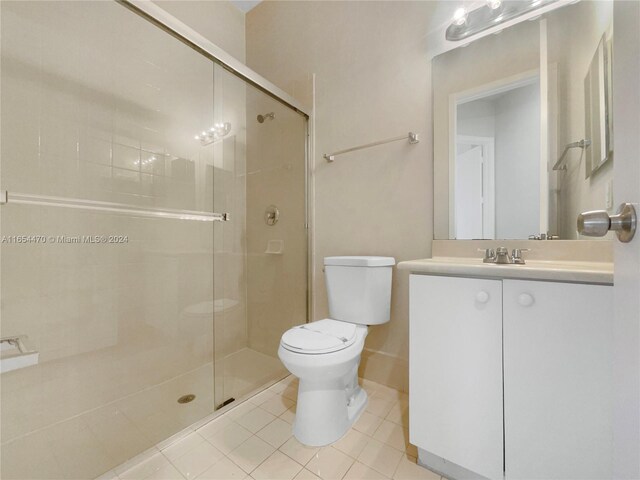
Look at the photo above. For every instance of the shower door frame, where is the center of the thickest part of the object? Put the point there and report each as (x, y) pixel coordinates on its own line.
(174, 27)
(156, 15)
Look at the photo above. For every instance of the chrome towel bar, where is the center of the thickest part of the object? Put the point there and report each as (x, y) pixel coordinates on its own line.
(110, 207)
(411, 137)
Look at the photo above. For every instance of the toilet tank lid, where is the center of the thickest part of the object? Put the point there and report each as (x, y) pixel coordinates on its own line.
(360, 261)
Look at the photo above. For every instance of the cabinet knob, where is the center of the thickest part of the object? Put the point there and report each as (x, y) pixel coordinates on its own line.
(525, 299)
(482, 297)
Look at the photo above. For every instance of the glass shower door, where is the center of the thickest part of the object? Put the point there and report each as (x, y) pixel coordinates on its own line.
(129, 309)
(261, 254)
(107, 253)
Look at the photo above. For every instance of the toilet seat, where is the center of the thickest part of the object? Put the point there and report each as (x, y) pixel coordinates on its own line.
(320, 337)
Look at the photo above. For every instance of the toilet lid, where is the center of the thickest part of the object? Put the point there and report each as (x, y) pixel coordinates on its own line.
(322, 336)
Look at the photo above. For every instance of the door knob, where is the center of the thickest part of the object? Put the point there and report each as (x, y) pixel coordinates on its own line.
(597, 223)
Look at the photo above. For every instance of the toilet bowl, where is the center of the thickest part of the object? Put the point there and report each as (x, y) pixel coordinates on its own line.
(325, 354)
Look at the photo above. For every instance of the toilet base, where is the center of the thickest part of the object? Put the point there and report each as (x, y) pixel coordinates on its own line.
(357, 406)
(325, 413)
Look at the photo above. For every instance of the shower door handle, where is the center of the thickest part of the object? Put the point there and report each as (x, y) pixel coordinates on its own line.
(221, 217)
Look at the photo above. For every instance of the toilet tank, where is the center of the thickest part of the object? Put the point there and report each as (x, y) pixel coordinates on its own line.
(359, 288)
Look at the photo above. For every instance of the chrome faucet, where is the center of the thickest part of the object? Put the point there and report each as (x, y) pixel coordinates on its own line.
(501, 256)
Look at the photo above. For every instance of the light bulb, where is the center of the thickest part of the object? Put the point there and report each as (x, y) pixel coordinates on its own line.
(494, 4)
(460, 16)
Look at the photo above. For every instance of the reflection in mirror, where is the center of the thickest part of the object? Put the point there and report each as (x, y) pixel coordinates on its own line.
(574, 40)
(522, 128)
(497, 158)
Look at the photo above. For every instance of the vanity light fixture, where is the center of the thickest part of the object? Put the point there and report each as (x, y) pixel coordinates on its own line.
(215, 133)
(494, 12)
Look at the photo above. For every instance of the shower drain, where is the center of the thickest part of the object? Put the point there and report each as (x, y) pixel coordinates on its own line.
(187, 398)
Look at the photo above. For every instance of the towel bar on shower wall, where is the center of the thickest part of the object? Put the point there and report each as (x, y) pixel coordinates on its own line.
(412, 137)
(110, 207)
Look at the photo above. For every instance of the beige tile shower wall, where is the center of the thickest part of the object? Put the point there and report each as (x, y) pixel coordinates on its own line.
(276, 282)
(224, 24)
(219, 21)
(99, 133)
(92, 114)
(574, 33)
(372, 82)
(229, 195)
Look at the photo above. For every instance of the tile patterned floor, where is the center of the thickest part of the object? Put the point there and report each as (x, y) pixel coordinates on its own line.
(88, 439)
(254, 441)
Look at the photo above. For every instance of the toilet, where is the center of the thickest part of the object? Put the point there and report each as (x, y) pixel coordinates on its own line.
(325, 354)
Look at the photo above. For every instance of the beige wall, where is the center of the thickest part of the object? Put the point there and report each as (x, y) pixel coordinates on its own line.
(218, 21)
(373, 82)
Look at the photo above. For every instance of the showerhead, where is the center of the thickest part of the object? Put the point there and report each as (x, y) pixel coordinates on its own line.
(262, 118)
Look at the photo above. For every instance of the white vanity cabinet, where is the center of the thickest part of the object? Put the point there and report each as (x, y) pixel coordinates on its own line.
(557, 380)
(511, 377)
(455, 372)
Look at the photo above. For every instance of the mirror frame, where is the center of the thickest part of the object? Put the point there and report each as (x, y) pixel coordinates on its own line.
(598, 104)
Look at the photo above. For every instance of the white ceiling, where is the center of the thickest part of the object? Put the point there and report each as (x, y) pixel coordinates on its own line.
(245, 5)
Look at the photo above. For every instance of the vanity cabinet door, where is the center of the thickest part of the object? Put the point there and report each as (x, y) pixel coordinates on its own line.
(456, 371)
(557, 380)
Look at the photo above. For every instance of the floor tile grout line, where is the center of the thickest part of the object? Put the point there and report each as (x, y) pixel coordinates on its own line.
(277, 450)
(186, 453)
(395, 400)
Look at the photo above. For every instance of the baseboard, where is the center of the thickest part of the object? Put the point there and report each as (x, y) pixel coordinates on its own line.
(386, 369)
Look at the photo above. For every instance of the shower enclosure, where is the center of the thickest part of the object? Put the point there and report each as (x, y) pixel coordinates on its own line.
(143, 286)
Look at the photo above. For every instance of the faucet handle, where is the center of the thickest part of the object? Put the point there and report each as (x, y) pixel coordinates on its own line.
(489, 254)
(516, 255)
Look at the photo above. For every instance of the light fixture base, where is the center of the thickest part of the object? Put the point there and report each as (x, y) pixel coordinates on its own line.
(486, 17)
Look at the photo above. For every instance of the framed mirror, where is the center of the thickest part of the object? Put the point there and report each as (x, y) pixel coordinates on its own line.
(598, 101)
(522, 128)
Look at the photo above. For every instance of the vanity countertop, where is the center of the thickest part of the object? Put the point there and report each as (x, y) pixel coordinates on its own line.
(561, 271)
